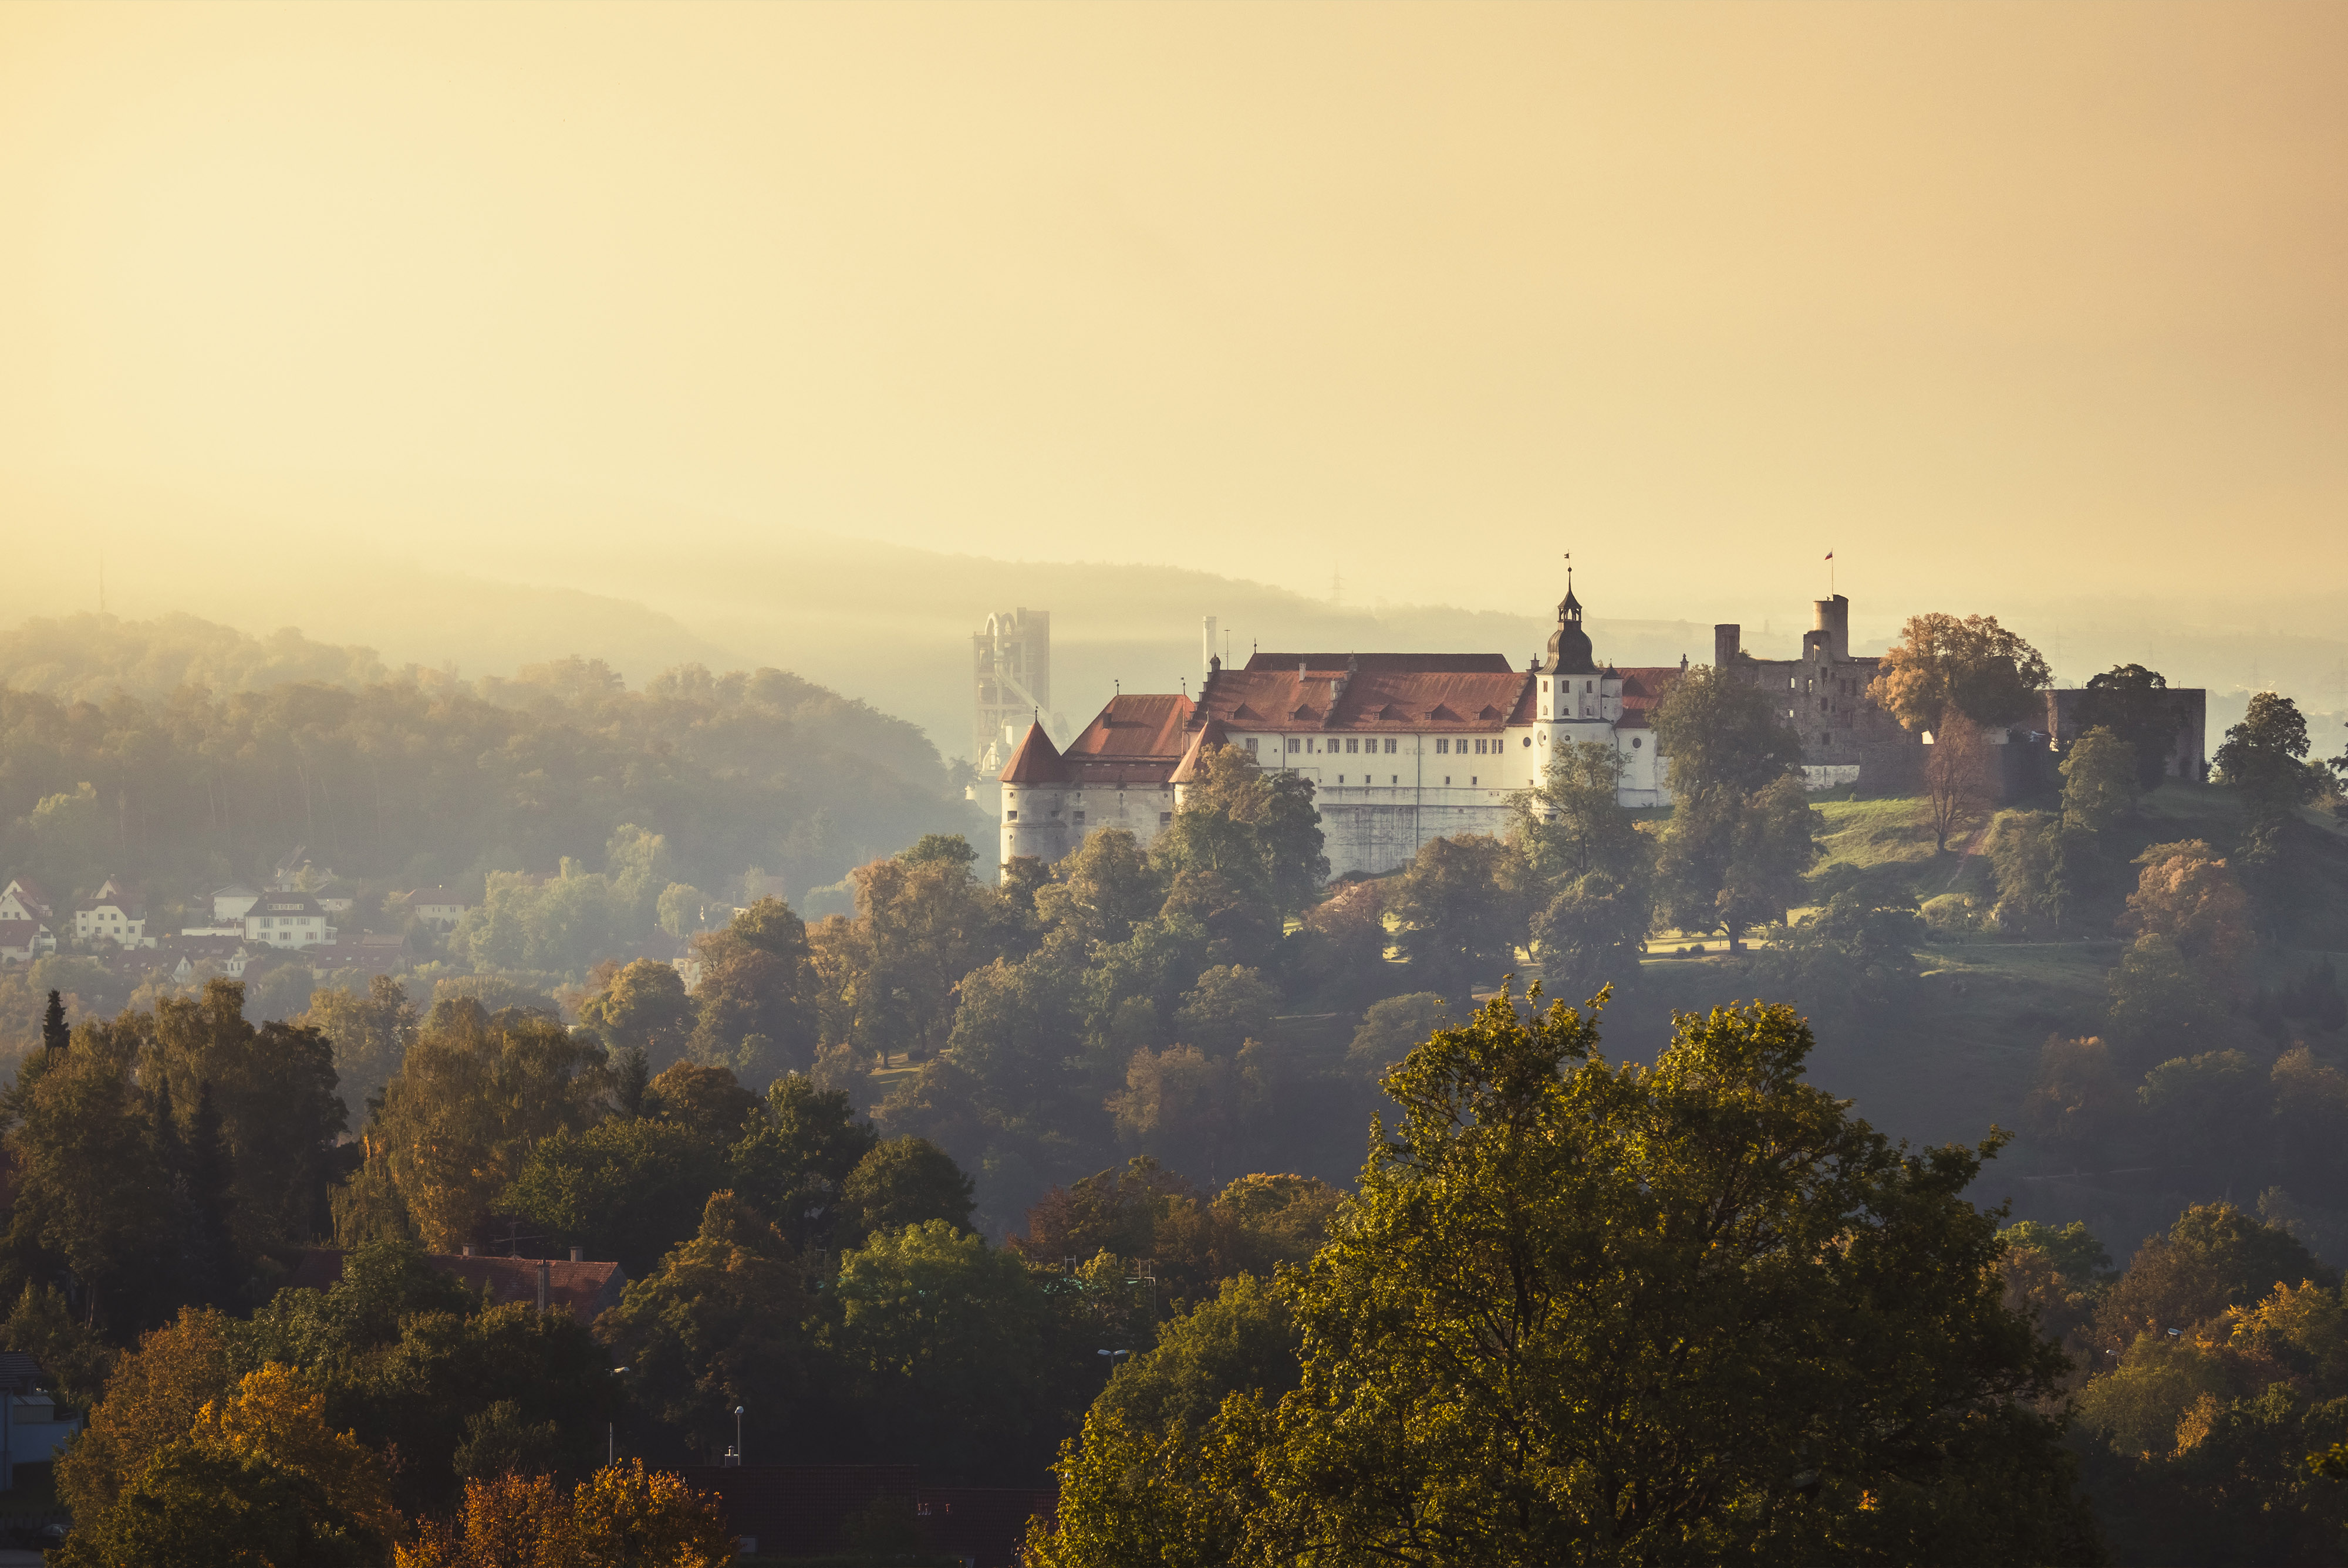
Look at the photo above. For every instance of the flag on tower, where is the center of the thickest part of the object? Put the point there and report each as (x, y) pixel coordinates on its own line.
(1829, 555)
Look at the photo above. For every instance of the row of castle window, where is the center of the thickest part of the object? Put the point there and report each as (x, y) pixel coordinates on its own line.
(1443, 745)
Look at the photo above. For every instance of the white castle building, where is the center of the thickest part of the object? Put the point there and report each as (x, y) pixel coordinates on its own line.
(1401, 747)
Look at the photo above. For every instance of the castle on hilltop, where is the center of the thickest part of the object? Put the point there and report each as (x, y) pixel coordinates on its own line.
(1406, 747)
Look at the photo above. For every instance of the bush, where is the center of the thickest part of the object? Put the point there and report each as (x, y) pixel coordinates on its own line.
(1951, 914)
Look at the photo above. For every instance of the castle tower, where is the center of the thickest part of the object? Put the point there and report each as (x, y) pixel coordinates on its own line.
(1035, 799)
(1572, 689)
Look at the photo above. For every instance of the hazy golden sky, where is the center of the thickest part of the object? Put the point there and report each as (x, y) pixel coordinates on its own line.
(1974, 295)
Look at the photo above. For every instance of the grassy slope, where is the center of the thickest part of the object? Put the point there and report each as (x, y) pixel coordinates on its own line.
(1965, 1057)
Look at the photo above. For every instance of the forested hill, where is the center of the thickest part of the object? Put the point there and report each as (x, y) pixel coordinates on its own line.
(92, 657)
(418, 777)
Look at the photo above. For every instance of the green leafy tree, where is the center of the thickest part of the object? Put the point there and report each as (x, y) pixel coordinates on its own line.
(1242, 1339)
(924, 922)
(708, 1101)
(92, 1188)
(1227, 1007)
(1463, 908)
(2099, 781)
(1104, 889)
(369, 1033)
(627, 1189)
(901, 1182)
(943, 1339)
(2264, 756)
(273, 1090)
(2207, 1113)
(2132, 702)
(644, 1009)
(719, 1325)
(2160, 1003)
(1742, 1322)
(794, 1167)
(73, 1356)
(1730, 863)
(2027, 854)
(1970, 666)
(758, 983)
(1722, 735)
(1571, 822)
(1590, 933)
(1393, 1029)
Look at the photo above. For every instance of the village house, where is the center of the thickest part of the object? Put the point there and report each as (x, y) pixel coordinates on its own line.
(116, 915)
(437, 908)
(232, 903)
(24, 899)
(287, 920)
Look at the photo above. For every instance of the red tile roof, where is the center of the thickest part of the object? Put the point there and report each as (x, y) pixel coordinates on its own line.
(1035, 760)
(1328, 664)
(1470, 691)
(1135, 740)
(1644, 686)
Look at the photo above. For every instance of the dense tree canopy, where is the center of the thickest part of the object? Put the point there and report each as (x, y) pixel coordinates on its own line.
(1584, 1313)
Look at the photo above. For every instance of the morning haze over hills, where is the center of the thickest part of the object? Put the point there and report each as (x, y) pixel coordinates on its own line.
(1675, 890)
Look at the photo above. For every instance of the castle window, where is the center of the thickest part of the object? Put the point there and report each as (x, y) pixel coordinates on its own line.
(1249, 745)
(1165, 818)
(1390, 747)
(1471, 778)
(1446, 778)
(1636, 742)
(1528, 740)
(1393, 778)
(1291, 743)
(1442, 747)
(1353, 745)
(1080, 819)
(1011, 817)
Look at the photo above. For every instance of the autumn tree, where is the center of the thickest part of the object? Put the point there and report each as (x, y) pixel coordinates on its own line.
(259, 1477)
(458, 1121)
(622, 1516)
(1973, 666)
(2188, 894)
(153, 1398)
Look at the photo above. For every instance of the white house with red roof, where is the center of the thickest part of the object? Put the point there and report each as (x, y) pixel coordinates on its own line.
(1400, 747)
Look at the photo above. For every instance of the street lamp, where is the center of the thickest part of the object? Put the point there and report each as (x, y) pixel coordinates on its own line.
(612, 1433)
(736, 1455)
(1112, 1355)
